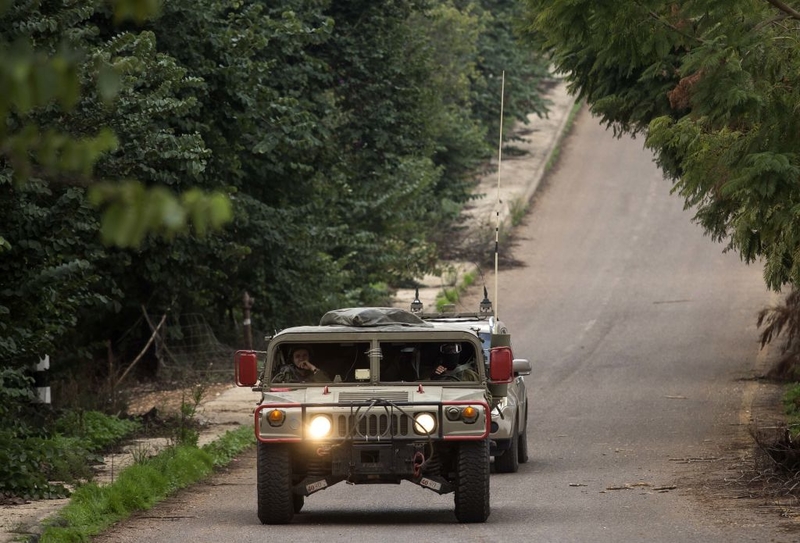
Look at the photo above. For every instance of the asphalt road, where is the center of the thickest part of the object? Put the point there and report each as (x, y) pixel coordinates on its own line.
(639, 330)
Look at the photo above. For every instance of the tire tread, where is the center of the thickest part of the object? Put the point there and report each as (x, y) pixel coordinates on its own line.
(472, 485)
(274, 484)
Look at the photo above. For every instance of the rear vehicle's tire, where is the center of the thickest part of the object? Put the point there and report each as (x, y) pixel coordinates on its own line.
(508, 462)
(472, 484)
(274, 484)
(523, 439)
(297, 502)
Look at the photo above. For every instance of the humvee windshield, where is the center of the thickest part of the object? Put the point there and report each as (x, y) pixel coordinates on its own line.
(399, 361)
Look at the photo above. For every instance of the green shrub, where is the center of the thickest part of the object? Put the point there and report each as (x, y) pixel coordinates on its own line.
(96, 430)
(25, 464)
(791, 404)
(26, 455)
(61, 450)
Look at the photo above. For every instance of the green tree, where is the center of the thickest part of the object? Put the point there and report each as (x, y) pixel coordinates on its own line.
(55, 271)
(266, 113)
(714, 88)
(501, 49)
(42, 70)
(346, 135)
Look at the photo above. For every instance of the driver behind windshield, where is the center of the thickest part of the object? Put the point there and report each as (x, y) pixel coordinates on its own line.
(448, 367)
(300, 369)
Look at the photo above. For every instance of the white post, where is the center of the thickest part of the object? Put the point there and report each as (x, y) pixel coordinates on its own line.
(41, 379)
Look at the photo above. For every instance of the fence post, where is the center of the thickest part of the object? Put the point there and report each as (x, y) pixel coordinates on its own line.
(41, 379)
(247, 303)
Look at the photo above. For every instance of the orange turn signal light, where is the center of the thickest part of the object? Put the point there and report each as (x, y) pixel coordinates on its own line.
(276, 417)
(469, 414)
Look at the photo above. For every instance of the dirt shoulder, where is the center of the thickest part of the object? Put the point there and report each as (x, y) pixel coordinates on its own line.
(739, 480)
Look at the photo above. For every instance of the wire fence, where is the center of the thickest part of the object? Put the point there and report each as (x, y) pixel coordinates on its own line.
(187, 344)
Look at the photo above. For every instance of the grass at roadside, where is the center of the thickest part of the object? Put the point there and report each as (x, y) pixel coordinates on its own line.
(94, 508)
(791, 403)
(552, 160)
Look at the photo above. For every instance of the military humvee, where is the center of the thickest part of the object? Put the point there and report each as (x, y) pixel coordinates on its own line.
(379, 409)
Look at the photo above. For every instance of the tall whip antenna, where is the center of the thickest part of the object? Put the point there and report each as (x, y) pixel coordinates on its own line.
(497, 224)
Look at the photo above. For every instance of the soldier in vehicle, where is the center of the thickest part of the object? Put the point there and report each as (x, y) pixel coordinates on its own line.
(449, 367)
(300, 369)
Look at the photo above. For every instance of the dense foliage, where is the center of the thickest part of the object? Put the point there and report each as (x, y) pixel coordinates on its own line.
(714, 86)
(341, 138)
(345, 135)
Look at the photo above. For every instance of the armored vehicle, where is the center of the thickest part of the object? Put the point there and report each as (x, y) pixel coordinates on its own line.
(373, 396)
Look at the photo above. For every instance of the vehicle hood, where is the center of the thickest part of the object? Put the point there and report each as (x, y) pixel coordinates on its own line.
(379, 394)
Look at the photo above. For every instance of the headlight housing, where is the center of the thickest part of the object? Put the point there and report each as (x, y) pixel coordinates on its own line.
(276, 417)
(320, 427)
(468, 414)
(424, 423)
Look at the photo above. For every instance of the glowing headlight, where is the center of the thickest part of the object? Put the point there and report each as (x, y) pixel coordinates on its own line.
(320, 427)
(424, 423)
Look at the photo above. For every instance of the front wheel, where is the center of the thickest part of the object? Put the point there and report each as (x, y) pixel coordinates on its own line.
(472, 484)
(274, 484)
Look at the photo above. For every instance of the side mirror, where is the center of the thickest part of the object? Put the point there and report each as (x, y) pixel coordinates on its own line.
(246, 368)
(522, 366)
(501, 365)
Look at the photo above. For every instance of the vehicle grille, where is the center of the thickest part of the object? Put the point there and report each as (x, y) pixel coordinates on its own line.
(378, 425)
(367, 395)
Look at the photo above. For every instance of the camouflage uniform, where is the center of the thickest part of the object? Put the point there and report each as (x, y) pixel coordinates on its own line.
(289, 373)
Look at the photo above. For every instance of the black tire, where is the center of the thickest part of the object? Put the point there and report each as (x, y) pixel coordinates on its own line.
(508, 462)
(472, 484)
(275, 502)
(523, 439)
(297, 501)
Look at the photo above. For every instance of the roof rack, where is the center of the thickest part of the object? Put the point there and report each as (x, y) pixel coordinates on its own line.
(485, 308)
(448, 315)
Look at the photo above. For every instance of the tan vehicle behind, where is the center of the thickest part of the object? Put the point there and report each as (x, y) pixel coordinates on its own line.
(508, 435)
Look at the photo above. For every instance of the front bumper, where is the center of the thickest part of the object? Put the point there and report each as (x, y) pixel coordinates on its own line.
(372, 421)
(374, 463)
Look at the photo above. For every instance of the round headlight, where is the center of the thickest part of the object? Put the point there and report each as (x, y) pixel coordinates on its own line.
(424, 423)
(320, 427)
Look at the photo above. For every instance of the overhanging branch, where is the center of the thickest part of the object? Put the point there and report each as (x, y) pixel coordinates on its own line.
(793, 13)
(141, 354)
